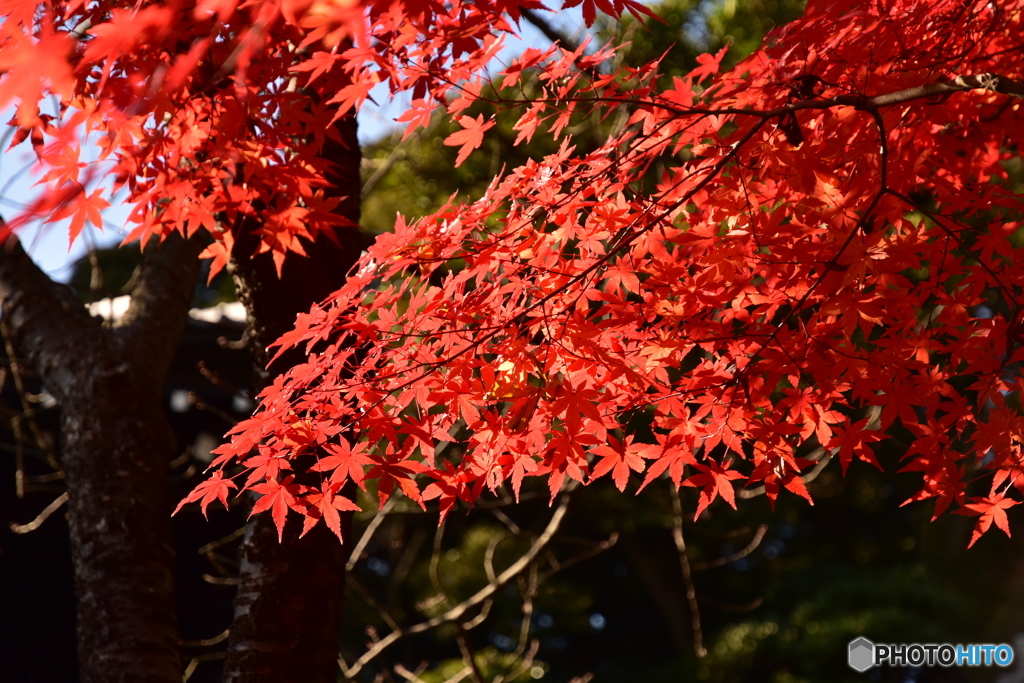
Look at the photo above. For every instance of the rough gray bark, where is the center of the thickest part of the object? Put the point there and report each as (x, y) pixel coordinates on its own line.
(288, 607)
(115, 450)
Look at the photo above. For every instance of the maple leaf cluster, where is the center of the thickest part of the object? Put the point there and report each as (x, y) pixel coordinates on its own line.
(762, 268)
(759, 269)
(210, 112)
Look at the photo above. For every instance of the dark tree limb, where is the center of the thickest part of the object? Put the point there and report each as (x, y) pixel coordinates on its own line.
(288, 607)
(160, 299)
(46, 320)
(116, 445)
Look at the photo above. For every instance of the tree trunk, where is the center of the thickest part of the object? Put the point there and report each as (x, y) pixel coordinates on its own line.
(116, 445)
(115, 456)
(288, 608)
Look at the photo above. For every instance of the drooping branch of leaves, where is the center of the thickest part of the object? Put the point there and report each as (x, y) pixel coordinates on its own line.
(721, 320)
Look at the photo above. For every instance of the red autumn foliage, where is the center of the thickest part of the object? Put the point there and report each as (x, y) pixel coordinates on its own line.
(811, 253)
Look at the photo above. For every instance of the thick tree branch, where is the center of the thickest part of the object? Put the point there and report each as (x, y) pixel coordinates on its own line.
(46, 320)
(160, 301)
(116, 445)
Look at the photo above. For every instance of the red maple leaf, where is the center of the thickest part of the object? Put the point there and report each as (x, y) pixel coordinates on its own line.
(991, 509)
(346, 462)
(854, 440)
(619, 458)
(470, 137)
(81, 208)
(399, 471)
(452, 484)
(324, 504)
(418, 115)
(278, 497)
(715, 480)
(214, 488)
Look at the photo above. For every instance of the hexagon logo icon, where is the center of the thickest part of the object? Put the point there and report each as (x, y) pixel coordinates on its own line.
(861, 655)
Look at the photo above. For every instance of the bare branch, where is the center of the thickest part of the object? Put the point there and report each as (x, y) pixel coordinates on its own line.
(358, 586)
(489, 555)
(460, 676)
(597, 549)
(160, 301)
(46, 321)
(207, 642)
(196, 661)
(684, 561)
(467, 656)
(213, 545)
(435, 561)
(41, 517)
(200, 404)
(527, 664)
(456, 612)
(729, 559)
(408, 675)
(359, 547)
(28, 414)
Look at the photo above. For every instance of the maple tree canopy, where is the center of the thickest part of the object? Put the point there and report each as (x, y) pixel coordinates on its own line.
(760, 269)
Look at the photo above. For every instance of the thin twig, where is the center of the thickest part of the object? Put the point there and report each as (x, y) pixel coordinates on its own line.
(41, 517)
(357, 585)
(467, 657)
(456, 612)
(200, 404)
(220, 580)
(213, 545)
(364, 540)
(207, 642)
(217, 379)
(684, 561)
(411, 676)
(527, 661)
(597, 549)
(729, 559)
(28, 413)
(435, 578)
(507, 521)
(197, 660)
